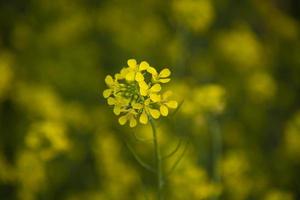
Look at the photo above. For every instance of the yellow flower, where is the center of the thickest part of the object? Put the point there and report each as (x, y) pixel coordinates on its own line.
(135, 70)
(161, 77)
(136, 93)
(129, 116)
(146, 111)
(119, 102)
(165, 103)
(112, 84)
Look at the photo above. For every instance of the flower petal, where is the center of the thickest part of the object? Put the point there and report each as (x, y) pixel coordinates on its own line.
(107, 93)
(155, 88)
(164, 110)
(166, 95)
(172, 104)
(139, 77)
(143, 66)
(111, 101)
(118, 76)
(165, 73)
(124, 71)
(144, 118)
(130, 76)
(117, 110)
(164, 80)
(109, 80)
(154, 113)
(123, 119)
(132, 122)
(131, 63)
(152, 71)
(155, 97)
(143, 88)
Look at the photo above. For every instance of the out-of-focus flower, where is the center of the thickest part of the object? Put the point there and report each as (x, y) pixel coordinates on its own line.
(196, 182)
(261, 86)
(210, 98)
(31, 174)
(196, 15)
(119, 178)
(6, 74)
(241, 48)
(292, 137)
(136, 94)
(278, 195)
(48, 139)
(235, 169)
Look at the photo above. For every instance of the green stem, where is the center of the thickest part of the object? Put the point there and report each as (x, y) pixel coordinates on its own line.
(157, 161)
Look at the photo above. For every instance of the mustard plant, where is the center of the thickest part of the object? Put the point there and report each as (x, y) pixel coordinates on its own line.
(137, 96)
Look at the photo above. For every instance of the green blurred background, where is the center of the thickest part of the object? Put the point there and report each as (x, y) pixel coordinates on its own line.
(236, 65)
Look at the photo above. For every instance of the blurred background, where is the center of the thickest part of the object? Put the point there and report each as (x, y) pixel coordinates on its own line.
(236, 65)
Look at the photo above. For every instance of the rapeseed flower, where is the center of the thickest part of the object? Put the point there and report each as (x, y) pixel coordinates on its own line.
(136, 93)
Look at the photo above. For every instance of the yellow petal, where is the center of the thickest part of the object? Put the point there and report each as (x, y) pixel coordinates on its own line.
(152, 71)
(143, 88)
(143, 92)
(172, 104)
(124, 71)
(166, 95)
(164, 110)
(155, 88)
(139, 77)
(123, 119)
(131, 63)
(109, 80)
(144, 118)
(154, 113)
(155, 97)
(107, 93)
(165, 73)
(164, 80)
(118, 76)
(143, 66)
(117, 110)
(111, 101)
(130, 76)
(132, 122)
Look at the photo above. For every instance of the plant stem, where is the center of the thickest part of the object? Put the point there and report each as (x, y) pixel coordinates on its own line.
(157, 162)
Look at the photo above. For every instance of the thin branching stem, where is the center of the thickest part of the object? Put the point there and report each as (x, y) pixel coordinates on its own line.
(139, 139)
(138, 159)
(174, 151)
(179, 159)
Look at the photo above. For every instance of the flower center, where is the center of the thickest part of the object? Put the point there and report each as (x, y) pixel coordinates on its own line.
(131, 91)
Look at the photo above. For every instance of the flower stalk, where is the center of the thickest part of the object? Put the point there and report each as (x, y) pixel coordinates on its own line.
(158, 162)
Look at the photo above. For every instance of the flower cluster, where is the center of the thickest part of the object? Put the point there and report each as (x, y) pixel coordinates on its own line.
(135, 92)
